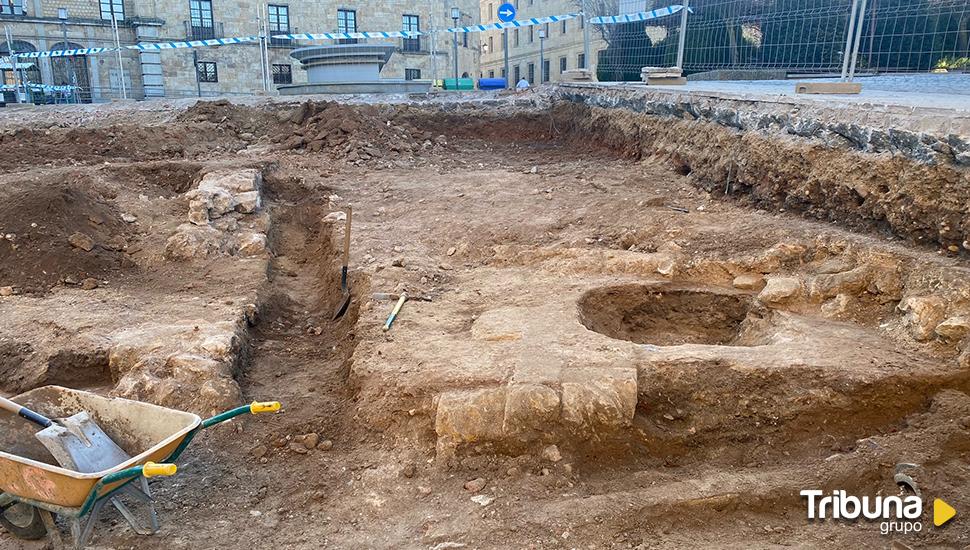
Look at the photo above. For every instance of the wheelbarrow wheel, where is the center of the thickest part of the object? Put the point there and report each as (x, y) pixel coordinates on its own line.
(23, 521)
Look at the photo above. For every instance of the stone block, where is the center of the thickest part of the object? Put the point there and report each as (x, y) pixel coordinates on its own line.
(467, 416)
(596, 401)
(530, 407)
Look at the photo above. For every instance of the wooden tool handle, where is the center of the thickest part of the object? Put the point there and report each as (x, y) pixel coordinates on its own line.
(14, 408)
(350, 213)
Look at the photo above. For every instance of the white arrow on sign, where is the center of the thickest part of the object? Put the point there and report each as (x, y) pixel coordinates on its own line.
(506, 13)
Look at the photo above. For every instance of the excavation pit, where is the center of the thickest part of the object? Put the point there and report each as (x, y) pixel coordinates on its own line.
(586, 331)
(660, 316)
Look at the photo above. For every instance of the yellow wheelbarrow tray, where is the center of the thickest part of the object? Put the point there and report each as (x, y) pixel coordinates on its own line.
(153, 436)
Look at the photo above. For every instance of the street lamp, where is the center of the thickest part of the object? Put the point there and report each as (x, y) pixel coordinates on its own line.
(455, 16)
(542, 56)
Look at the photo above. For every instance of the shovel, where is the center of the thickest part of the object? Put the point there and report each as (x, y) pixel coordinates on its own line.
(77, 443)
(345, 290)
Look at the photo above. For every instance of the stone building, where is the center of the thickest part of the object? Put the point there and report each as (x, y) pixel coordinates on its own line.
(562, 47)
(39, 25)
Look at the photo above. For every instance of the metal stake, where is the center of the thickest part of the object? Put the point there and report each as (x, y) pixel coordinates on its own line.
(682, 39)
(505, 45)
(121, 68)
(858, 38)
(848, 41)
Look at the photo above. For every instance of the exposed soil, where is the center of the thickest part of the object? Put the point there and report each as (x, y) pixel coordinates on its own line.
(664, 317)
(705, 361)
(39, 219)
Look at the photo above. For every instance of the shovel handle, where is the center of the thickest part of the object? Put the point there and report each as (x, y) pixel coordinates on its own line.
(24, 412)
(343, 271)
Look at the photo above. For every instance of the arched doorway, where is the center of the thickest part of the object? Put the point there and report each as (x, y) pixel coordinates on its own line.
(26, 69)
(71, 71)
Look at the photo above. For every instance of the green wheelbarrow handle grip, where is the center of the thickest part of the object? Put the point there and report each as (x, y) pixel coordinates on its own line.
(253, 408)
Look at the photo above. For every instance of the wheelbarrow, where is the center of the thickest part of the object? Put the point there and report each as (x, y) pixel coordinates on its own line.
(33, 490)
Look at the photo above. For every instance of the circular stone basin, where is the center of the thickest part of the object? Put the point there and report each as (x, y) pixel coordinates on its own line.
(663, 316)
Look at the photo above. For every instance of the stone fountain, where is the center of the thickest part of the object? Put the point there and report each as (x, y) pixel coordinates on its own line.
(349, 69)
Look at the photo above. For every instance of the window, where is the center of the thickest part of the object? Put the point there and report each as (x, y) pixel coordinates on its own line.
(279, 23)
(517, 72)
(582, 21)
(562, 64)
(548, 34)
(412, 74)
(347, 22)
(200, 12)
(491, 44)
(464, 39)
(16, 7)
(532, 73)
(206, 71)
(563, 29)
(490, 12)
(503, 73)
(411, 23)
(581, 61)
(515, 38)
(282, 74)
(109, 8)
(545, 70)
(532, 34)
(491, 74)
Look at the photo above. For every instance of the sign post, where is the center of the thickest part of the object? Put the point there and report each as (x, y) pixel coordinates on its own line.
(506, 13)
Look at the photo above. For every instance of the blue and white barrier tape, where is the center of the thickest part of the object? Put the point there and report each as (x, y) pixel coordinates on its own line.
(350, 35)
(639, 16)
(32, 86)
(154, 46)
(193, 43)
(514, 24)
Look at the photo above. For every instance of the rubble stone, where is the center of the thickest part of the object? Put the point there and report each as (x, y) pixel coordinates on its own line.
(82, 241)
(780, 289)
(749, 281)
(923, 314)
(954, 328)
(193, 241)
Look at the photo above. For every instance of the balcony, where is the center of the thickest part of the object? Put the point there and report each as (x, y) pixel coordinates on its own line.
(196, 32)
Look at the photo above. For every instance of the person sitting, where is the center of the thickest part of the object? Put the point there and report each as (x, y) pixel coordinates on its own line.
(522, 84)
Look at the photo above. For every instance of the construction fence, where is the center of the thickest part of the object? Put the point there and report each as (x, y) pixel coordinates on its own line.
(775, 38)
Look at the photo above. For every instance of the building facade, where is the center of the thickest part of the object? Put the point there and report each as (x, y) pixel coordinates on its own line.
(40, 25)
(531, 57)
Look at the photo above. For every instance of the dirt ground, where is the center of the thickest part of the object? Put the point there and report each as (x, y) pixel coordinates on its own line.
(597, 352)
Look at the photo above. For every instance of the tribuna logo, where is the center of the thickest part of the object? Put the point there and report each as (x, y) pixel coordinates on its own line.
(897, 514)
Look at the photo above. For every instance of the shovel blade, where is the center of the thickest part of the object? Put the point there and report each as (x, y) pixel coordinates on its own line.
(79, 444)
(342, 306)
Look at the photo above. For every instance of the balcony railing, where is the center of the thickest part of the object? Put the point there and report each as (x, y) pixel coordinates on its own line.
(411, 45)
(202, 32)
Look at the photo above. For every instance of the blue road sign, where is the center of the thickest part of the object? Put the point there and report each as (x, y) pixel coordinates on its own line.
(506, 12)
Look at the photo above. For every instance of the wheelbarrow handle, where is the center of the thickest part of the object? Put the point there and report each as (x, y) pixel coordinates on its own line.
(255, 407)
(148, 470)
